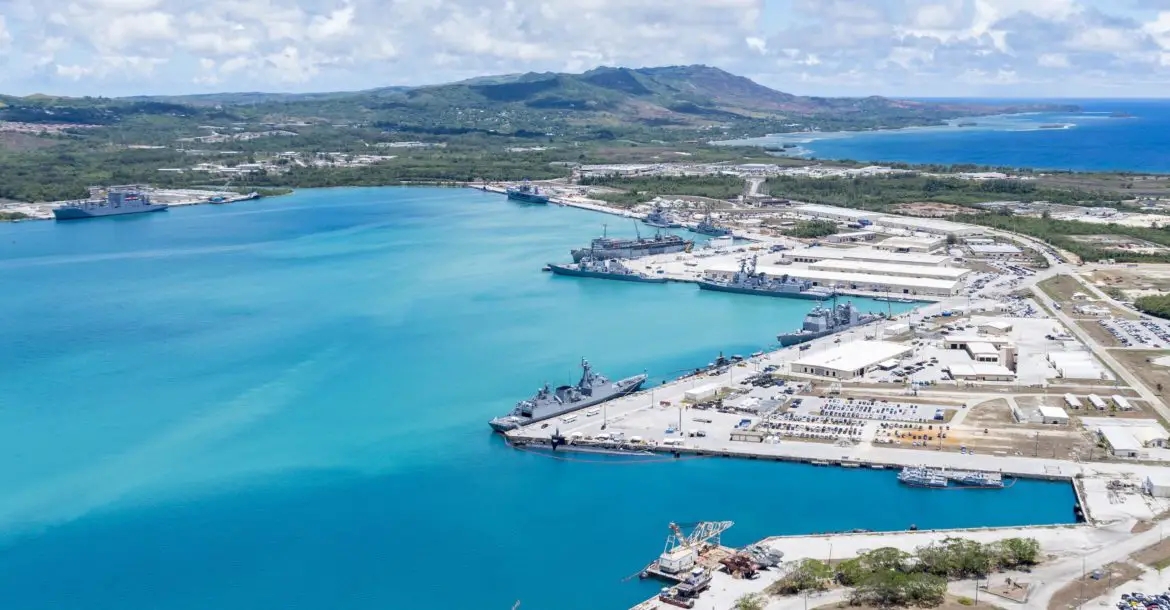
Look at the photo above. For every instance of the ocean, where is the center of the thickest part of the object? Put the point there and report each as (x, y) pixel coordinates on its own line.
(1090, 140)
(284, 404)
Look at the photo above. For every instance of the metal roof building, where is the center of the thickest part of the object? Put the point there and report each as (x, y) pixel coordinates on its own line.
(849, 360)
(867, 255)
(893, 269)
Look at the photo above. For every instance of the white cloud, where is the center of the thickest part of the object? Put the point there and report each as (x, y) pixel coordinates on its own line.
(906, 47)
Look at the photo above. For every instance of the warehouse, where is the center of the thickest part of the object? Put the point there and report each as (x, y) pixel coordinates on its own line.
(961, 341)
(1121, 403)
(981, 371)
(1053, 415)
(862, 282)
(930, 225)
(995, 251)
(995, 327)
(831, 213)
(1072, 401)
(891, 269)
(921, 245)
(1157, 485)
(864, 254)
(981, 351)
(1121, 441)
(851, 237)
(1097, 403)
(848, 361)
(703, 392)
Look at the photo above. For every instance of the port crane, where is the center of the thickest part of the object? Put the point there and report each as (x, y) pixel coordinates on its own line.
(703, 532)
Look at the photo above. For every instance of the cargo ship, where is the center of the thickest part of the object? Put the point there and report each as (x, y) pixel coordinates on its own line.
(606, 247)
(117, 203)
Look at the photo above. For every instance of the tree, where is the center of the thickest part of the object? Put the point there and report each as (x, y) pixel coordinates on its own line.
(803, 575)
(885, 558)
(850, 572)
(952, 239)
(749, 602)
(1014, 552)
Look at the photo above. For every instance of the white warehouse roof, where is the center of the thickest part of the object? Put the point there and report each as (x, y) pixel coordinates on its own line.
(1053, 412)
(867, 254)
(844, 279)
(933, 225)
(854, 356)
(994, 249)
(893, 269)
(982, 348)
(827, 210)
(1120, 438)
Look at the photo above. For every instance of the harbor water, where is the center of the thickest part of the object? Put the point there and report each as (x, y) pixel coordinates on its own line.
(284, 404)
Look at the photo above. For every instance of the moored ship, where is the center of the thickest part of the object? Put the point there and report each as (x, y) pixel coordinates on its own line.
(708, 227)
(117, 203)
(592, 389)
(920, 476)
(661, 219)
(527, 193)
(823, 321)
(606, 247)
(609, 269)
(748, 281)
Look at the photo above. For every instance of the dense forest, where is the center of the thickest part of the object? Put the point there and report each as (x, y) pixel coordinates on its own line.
(1155, 305)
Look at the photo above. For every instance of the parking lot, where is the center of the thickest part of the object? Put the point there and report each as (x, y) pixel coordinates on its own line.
(1138, 333)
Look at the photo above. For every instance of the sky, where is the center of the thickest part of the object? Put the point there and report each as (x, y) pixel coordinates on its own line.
(911, 48)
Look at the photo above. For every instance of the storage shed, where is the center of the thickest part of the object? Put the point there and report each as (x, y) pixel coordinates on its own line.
(1053, 415)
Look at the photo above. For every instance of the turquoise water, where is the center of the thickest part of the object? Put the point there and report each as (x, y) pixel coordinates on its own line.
(283, 404)
(1093, 141)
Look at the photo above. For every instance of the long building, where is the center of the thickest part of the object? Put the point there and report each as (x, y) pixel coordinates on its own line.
(849, 360)
(862, 282)
(865, 255)
(891, 269)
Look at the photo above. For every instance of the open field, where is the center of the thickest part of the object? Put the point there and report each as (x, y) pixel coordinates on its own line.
(1139, 280)
(1127, 185)
(1084, 589)
(1061, 288)
(1154, 376)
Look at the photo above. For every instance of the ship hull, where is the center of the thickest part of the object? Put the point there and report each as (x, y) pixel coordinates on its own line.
(789, 339)
(662, 225)
(712, 232)
(570, 271)
(71, 213)
(603, 253)
(806, 295)
(528, 198)
(628, 386)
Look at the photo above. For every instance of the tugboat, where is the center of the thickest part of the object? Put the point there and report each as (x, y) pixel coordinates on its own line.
(661, 219)
(748, 281)
(592, 389)
(920, 476)
(527, 193)
(609, 269)
(822, 321)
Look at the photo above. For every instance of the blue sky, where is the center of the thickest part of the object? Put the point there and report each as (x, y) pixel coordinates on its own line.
(995, 48)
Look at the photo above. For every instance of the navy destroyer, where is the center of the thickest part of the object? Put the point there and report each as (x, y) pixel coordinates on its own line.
(116, 203)
(592, 389)
(526, 193)
(607, 247)
(823, 321)
(748, 281)
(609, 269)
(708, 227)
(661, 219)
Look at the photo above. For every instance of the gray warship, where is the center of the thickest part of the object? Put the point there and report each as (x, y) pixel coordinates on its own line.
(117, 203)
(593, 389)
(661, 219)
(708, 227)
(606, 247)
(748, 281)
(609, 269)
(823, 321)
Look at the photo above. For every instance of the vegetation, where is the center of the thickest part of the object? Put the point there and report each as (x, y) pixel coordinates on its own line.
(1062, 234)
(801, 576)
(812, 229)
(888, 577)
(749, 602)
(1155, 305)
(880, 193)
(712, 187)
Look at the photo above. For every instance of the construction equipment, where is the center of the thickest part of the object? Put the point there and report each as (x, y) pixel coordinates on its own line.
(740, 566)
(681, 551)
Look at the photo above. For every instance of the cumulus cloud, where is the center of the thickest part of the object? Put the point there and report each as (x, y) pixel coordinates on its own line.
(907, 47)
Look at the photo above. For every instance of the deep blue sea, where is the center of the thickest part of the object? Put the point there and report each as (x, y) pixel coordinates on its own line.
(1091, 139)
(283, 404)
